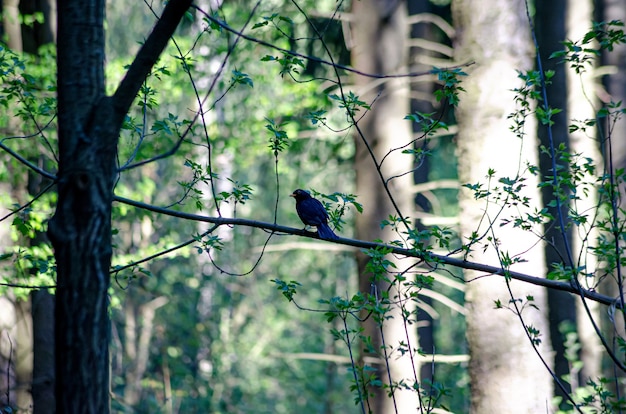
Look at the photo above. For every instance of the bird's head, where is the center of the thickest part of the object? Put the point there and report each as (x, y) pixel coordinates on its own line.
(300, 194)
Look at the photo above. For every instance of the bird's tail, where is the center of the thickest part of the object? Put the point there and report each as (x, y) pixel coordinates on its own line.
(325, 232)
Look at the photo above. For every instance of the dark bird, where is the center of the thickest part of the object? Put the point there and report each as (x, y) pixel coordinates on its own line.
(313, 213)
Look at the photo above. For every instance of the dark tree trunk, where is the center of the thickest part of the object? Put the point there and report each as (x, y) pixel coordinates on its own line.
(615, 83)
(42, 314)
(38, 34)
(422, 88)
(43, 352)
(551, 31)
(80, 231)
(615, 147)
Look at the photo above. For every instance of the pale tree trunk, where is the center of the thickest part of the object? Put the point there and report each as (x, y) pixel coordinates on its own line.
(581, 101)
(379, 35)
(8, 305)
(11, 23)
(138, 309)
(15, 354)
(8, 382)
(506, 375)
(138, 347)
(24, 354)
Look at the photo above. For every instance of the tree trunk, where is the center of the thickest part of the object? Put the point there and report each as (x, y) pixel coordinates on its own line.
(8, 328)
(422, 101)
(550, 25)
(38, 34)
(10, 32)
(379, 33)
(615, 85)
(506, 375)
(43, 352)
(80, 229)
(581, 88)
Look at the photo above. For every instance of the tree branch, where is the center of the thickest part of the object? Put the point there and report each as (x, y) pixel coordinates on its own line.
(148, 56)
(434, 260)
(27, 163)
(226, 27)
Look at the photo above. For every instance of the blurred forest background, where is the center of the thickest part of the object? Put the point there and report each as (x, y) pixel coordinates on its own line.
(421, 102)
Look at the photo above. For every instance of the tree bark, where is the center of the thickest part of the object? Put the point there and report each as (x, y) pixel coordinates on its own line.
(80, 230)
(506, 375)
(43, 352)
(379, 33)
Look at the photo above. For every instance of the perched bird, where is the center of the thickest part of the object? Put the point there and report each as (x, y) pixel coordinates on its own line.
(313, 213)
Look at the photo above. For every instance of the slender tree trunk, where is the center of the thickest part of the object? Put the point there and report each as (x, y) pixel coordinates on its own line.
(138, 348)
(8, 380)
(422, 101)
(10, 33)
(380, 34)
(43, 352)
(506, 375)
(615, 83)
(38, 34)
(615, 148)
(550, 25)
(581, 102)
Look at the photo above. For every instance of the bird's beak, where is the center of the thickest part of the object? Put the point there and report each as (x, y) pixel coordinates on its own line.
(292, 195)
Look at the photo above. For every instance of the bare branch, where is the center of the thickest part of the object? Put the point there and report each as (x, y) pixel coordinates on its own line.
(434, 260)
(27, 163)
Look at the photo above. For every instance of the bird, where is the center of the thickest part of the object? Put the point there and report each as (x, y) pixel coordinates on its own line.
(312, 213)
